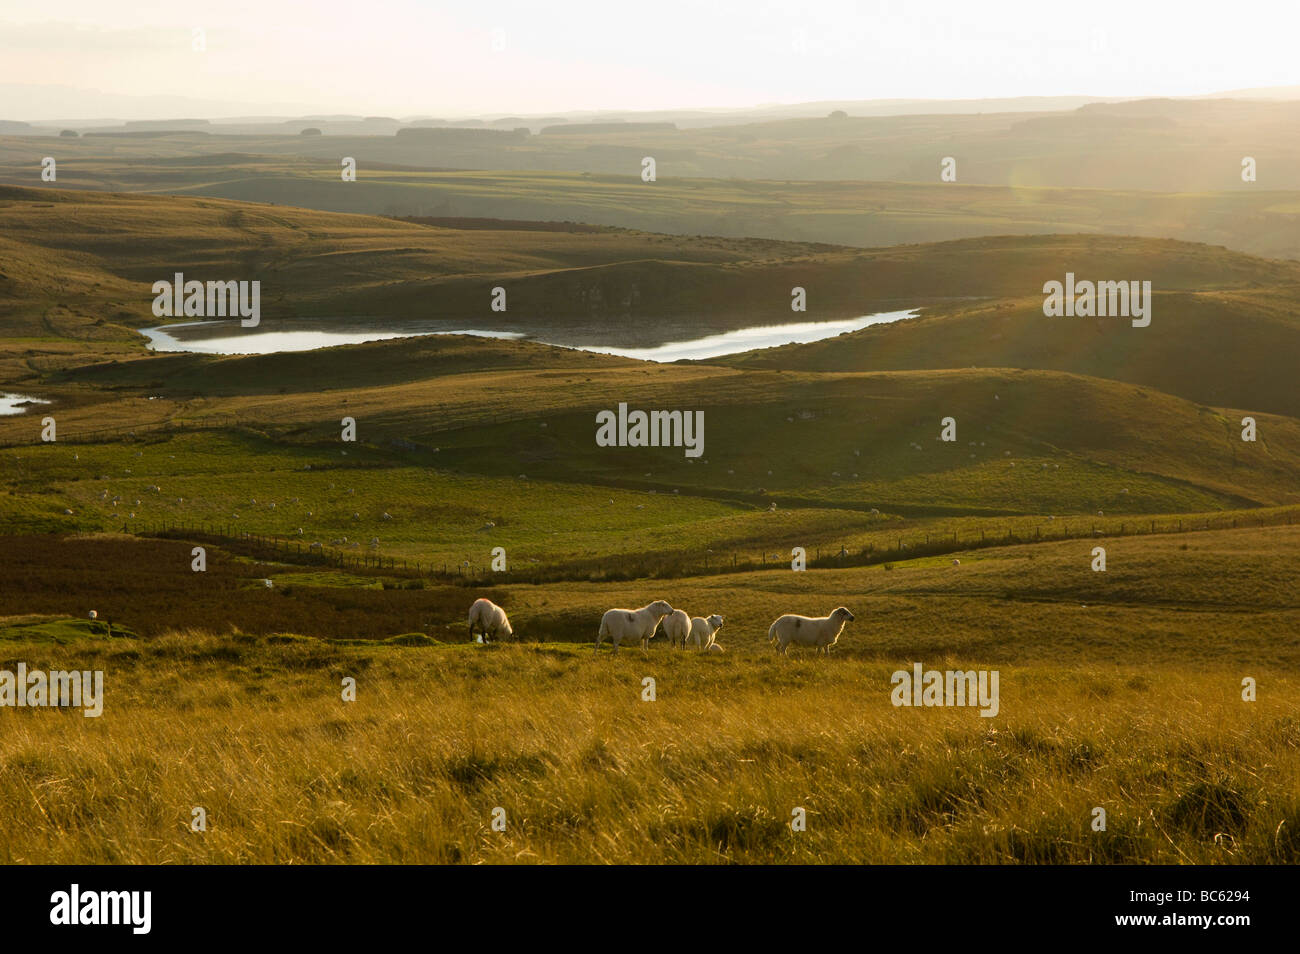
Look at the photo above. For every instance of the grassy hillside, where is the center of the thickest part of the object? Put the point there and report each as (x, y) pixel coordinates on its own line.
(1211, 347)
(1217, 597)
(254, 732)
(1115, 690)
(448, 455)
(79, 266)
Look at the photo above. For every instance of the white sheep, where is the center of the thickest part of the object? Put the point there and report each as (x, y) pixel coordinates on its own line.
(677, 627)
(703, 630)
(489, 618)
(621, 624)
(715, 648)
(822, 632)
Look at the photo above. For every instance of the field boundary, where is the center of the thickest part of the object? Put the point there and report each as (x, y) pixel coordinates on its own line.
(909, 545)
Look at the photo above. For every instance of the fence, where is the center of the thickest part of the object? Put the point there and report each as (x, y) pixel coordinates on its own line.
(908, 545)
(292, 550)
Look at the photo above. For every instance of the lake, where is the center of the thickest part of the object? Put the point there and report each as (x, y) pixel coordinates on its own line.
(664, 342)
(11, 404)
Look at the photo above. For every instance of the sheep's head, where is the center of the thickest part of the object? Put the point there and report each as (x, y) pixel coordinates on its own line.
(660, 608)
(505, 628)
(715, 621)
(844, 614)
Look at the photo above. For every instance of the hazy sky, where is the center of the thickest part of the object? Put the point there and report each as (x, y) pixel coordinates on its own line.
(407, 57)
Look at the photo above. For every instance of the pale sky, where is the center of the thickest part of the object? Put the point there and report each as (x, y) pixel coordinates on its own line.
(407, 57)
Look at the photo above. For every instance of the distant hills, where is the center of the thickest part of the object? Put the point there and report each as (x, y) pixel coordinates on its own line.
(1156, 145)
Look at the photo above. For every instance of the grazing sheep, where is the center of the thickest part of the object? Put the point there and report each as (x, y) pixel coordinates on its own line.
(489, 618)
(822, 632)
(715, 648)
(621, 624)
(677, 626)
(703, 630)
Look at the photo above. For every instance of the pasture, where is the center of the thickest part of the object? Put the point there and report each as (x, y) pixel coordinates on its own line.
(225, 687)
(254, 731)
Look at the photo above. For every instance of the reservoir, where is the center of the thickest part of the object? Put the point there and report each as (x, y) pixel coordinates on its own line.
(670, 341)
(11, 404)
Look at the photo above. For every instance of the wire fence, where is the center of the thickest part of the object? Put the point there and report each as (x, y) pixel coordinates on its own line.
(906, 545)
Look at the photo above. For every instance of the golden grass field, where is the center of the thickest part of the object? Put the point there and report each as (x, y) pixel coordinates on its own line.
(1130, 701)
(255, 732)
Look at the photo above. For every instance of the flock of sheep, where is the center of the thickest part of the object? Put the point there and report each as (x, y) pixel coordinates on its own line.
(616, 625)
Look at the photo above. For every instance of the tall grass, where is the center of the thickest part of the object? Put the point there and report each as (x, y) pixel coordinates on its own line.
(256, 733)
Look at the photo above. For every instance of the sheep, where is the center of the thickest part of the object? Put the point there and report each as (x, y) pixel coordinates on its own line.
(621, 624)
(715, 648)
(490, 619)
(677, 627)
(822, 632)
(703, 630)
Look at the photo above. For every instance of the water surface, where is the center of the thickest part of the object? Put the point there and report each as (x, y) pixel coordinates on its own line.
(11, 404)
(668, 341)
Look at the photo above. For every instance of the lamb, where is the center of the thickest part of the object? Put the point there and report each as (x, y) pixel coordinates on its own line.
(490, 619)
(703, 631)
(822, 632)
(621, 624)
(716, 648)
(677, 627)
